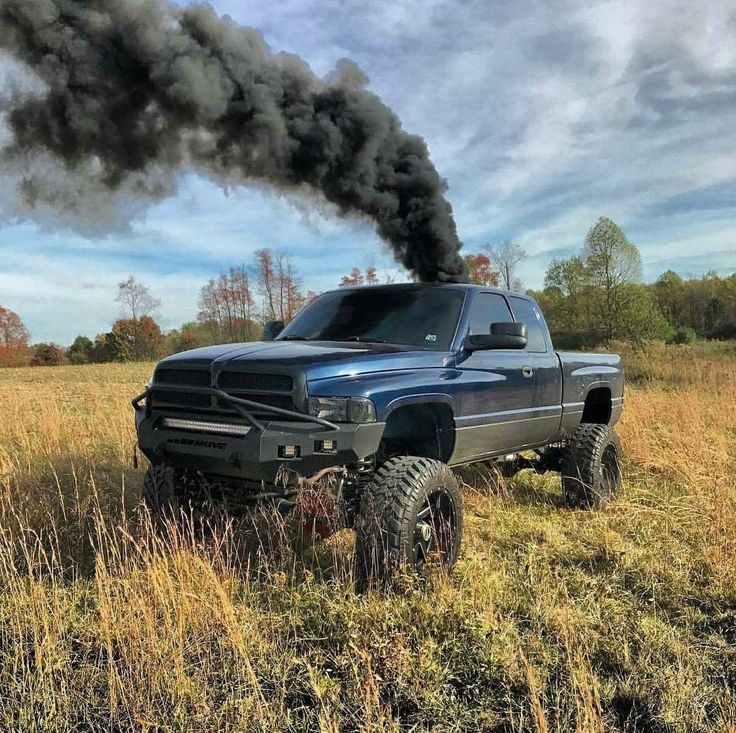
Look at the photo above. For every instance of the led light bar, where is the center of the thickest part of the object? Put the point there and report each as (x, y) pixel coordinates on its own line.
(202, 426)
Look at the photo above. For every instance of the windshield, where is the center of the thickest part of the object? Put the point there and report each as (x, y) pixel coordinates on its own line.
(422, 317)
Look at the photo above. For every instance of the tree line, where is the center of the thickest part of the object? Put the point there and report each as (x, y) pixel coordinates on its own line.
(589, 299)
(598, 296)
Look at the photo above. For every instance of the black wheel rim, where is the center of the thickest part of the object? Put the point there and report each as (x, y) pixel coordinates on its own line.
(435, 530)
(610, 471)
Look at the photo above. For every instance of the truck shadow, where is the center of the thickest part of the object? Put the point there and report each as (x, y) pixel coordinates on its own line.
(526, 488)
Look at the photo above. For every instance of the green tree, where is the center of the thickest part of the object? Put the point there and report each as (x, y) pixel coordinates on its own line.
(189, 336)
(669, 292)
(640, 318)
(597, 296)
(612, 263)
(110, 347)
(81, 351)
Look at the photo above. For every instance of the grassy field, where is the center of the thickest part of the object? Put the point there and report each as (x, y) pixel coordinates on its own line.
(556, 620)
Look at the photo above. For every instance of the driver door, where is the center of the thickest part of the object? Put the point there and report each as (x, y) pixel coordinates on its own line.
(496, 400)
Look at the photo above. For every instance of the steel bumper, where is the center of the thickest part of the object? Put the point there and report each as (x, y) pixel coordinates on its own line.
(259, 454)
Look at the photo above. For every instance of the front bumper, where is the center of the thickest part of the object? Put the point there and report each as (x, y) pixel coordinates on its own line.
(255, 455)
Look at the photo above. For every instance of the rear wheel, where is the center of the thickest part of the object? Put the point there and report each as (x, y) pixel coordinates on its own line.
(412, 516)
(591, 466)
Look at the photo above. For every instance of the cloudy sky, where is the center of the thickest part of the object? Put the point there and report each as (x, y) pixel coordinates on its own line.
(542, 116)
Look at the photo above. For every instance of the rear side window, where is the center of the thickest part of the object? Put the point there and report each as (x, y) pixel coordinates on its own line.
(488, 308)
(525, 312)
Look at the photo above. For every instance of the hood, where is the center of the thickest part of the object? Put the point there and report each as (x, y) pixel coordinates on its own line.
(318, 359)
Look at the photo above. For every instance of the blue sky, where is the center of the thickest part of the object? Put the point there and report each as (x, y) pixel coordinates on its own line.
(542, 116)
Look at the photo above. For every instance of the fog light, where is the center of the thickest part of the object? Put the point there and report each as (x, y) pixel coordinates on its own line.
(326, 446)
(289, 451)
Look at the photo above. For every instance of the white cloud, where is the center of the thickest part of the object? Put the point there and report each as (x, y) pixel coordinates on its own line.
(541, 116)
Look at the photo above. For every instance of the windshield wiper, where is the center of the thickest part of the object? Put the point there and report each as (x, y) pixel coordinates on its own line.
(365, 339)
(293, 338)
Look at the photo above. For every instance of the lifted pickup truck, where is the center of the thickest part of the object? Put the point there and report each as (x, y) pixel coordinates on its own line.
(389, 388)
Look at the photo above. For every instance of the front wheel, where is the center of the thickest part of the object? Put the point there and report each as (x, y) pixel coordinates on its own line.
(161, 490)
(591, 466)
(412, 516)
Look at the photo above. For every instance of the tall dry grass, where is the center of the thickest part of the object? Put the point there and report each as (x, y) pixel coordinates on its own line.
(556, 620)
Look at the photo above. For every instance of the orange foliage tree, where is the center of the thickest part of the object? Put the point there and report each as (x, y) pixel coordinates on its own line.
(480, 271)
(357, 277)
(14, 339)
(136, 340)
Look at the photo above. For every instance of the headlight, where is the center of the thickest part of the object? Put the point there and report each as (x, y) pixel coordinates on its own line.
(343, 409)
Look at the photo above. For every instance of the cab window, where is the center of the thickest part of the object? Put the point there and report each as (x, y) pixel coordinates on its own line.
(488, 308)
(525, 312)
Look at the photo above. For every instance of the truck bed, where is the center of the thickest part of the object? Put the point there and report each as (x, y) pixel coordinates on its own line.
(582, 373)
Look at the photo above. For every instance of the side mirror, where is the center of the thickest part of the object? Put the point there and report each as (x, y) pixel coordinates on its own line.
(502, 336)
(271, 330)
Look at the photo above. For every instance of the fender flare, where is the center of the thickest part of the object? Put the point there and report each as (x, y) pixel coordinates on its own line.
(420, 399)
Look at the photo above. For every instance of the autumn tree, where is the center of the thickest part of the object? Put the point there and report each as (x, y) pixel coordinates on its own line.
(279, 285)
(290, 297)
(266, 282)
(14, 337)
(135, 340)
(137, 303)
(13, 334)
(136, 300)
(371, 276)
(353, 280)
(357, 277)
(226, 306)
(480, 271)
(189, 336)
(47, 355)
(505, 258)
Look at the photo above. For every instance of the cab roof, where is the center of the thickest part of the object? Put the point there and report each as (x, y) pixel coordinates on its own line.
(444, 286)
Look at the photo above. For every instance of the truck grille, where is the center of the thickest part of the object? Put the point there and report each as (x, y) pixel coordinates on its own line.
(247, 381)
(274, 390)
(184, 378)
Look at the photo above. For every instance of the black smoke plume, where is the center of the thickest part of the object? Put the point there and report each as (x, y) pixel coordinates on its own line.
(135, 91)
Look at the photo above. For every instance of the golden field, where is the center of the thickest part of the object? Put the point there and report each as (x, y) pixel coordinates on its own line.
(622, 619)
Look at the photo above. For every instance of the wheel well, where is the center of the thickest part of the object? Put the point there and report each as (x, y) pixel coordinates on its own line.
(426, 430)
(598, 406)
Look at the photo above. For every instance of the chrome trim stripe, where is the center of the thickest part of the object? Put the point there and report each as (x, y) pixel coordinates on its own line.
(509, 422)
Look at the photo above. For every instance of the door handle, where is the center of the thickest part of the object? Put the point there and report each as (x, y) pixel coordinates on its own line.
(527, 371)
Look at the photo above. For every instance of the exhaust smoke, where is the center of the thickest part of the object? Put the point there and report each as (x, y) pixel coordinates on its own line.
(136, 91)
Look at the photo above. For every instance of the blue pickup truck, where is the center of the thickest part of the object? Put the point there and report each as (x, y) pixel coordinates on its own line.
(386, 389)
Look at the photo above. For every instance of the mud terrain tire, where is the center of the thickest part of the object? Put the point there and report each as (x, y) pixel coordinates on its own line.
(591, 467)
(411, 516)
